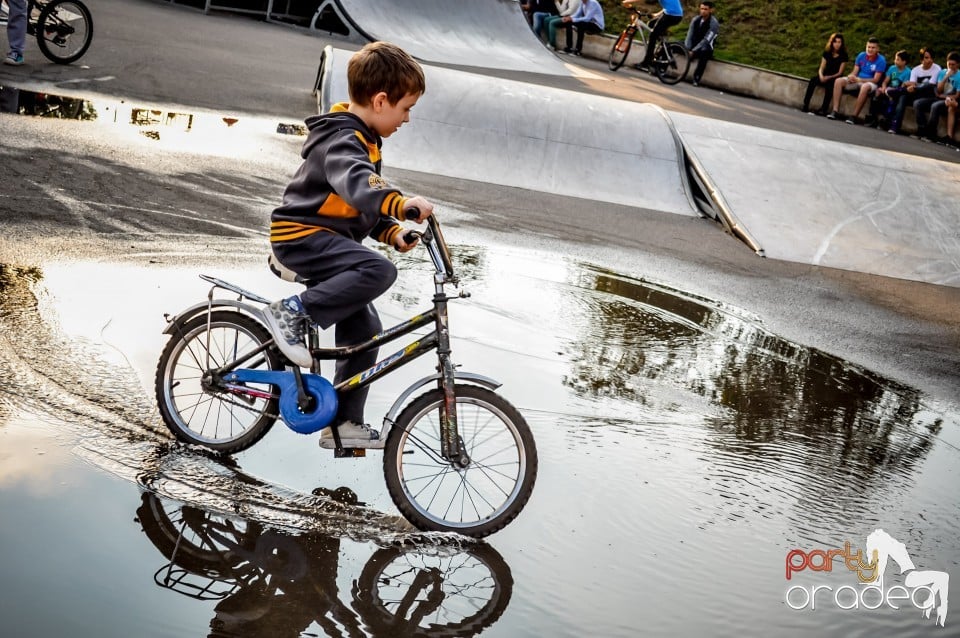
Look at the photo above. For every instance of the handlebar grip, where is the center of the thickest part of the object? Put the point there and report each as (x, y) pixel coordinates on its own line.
(413, 214)
(411, 236)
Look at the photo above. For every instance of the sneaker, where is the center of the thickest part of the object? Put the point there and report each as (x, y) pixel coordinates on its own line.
(577, 53)
(851, 120)
(696, 82)
(287, 320)
(15, 59)
(352, 435)
(892, 131)
(643, 67)
(832, 115)
(567, 50)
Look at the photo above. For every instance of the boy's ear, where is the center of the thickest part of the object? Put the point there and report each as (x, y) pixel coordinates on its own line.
(379, 100)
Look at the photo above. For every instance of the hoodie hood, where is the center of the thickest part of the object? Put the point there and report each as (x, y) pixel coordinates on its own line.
(321, 127)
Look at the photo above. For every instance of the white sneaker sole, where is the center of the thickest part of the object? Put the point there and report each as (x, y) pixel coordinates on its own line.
(327, 443)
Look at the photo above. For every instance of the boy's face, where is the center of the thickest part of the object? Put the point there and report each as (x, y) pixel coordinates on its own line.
(705, 11)
(387, 117)
(872, 48)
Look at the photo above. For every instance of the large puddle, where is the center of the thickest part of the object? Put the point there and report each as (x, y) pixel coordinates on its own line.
(684, 451)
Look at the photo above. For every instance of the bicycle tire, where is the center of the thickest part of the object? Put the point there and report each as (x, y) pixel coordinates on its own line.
(676, 69)
(417, 477)
(476, 576)
(214, 419)
(617, 56)
(64, 30)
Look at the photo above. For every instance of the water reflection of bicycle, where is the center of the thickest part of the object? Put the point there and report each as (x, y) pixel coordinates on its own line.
(270, 581)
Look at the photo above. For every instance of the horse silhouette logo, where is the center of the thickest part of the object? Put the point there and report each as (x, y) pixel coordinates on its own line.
(936, 584)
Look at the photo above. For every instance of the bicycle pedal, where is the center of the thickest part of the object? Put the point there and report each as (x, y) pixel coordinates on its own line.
(349, 453)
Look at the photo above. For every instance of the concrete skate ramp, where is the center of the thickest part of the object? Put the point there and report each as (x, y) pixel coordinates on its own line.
(825, 203)
(483, 33)
(499, 131)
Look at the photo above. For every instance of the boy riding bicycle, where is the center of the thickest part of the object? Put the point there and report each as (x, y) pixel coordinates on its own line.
(336, 199)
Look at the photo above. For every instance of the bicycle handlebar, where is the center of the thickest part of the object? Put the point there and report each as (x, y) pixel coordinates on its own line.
(436, 244)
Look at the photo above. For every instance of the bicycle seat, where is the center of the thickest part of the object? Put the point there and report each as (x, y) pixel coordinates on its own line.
(285, 273)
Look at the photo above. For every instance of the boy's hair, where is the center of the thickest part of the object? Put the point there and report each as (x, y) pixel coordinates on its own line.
(954, 55)
(381, 66)
(707, 3)
(873, 40)
(903, 55)
(925, 50)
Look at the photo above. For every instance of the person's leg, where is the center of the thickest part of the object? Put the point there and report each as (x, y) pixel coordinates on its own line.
(583, 29)
(351, 331)
(702, 58)
(538, 19)
(951, 123)
(552, 23)
(866, 90)
(568, 31)
(921, 110)
(933, 125)
(905, 100)
(827, 96)
(347, 275)
(838, 85)
(16, 29)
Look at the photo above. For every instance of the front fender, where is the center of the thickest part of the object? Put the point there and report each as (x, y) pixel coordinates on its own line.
(470, 377)
(177, 321)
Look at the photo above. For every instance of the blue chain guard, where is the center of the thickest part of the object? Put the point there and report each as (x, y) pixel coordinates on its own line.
(316, 386)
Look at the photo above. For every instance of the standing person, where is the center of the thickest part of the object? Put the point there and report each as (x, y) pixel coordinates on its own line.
(671, 13)
(335, 200)
(702, 39)
(922, 84)
(886, 97)
(587, 19)
(16, 31)
(832, 62)
(868, 70)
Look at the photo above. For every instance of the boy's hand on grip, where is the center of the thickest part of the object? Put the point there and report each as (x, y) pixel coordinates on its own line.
(420, 204)
(407, 241)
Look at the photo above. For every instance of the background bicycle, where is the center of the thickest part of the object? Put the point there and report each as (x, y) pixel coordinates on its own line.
(63, 28)
(671, 60)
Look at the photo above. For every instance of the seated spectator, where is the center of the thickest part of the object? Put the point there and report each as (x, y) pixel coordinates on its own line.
(587, 19)
(922, 83)
(868, 70)
(929, 110)
(552, 23)
(832, 62)
(538, 11)
(885, 98)
(952, 102)
(702, 38)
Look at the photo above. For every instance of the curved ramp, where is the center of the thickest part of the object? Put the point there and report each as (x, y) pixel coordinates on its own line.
(482, 33)
(825, 203)
(499, 131)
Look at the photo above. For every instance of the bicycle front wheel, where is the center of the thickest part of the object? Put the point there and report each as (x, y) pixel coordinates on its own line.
(198, 409)
(620, 50)
(674, 67)
(479, 499)
(64, 30)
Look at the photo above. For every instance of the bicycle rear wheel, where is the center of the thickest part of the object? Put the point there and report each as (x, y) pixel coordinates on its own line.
(674, 68)
(194, 406)
(477, 500)
(620, 50)
(64, 30)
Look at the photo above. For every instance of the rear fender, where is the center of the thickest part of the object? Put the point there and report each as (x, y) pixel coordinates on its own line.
(176, 322)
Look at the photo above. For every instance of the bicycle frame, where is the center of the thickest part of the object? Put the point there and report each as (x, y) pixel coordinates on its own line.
(438, 339)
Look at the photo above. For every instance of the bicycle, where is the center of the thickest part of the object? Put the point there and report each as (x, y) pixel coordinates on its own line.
(458, 458)
(280, 582)
(63, 28)
(671, 60)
